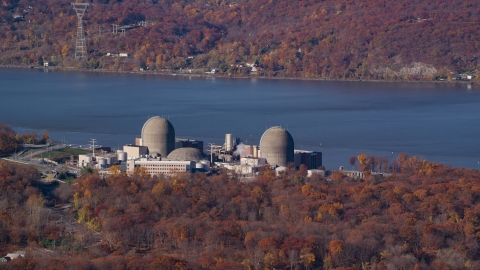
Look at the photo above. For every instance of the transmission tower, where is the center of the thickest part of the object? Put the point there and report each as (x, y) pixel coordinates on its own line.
(81, 48)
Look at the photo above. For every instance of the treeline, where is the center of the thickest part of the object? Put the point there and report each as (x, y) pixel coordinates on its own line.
(10, 141)
(424, 216)
(309, 39)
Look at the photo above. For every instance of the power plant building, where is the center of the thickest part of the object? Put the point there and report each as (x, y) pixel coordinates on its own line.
(97, 161)
(181, 143)
(135, 151)
(186, 153)
(158, 135)
(311, 159)
(180, 160)
(277, 146)
(159, 167)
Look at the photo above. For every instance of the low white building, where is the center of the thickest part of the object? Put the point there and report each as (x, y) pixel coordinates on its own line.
(312, 172)
(247, 166)
(97, 161)
(16, 255)
(361, 175)
(213, 71)
(252, 161)
(158, 167)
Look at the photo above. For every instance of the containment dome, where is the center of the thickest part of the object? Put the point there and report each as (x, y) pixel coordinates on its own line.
(158, 135)
(276, 145)
(187, 153)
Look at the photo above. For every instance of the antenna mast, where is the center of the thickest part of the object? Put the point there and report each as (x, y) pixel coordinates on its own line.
(81, 48)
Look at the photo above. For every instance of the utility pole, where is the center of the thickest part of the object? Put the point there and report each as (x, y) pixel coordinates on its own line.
(93, 146)
(81, 46)
(211, 153)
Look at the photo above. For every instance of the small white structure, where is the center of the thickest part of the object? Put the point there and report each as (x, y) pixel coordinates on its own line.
(247, 165)
(312, 172)
(117, 54)
(244, 169)
(252, 161)
(361, 175)
(45, 64)
(98, 161)
(16, 255)
(280, 170)
(213, 71)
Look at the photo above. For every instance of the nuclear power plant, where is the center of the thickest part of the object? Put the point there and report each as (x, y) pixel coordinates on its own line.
(158, 135)
(159, 152)
(277, 146)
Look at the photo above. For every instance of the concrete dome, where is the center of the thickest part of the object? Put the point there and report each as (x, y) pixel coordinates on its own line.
(186, 153)
(158, 135)
(276, 145)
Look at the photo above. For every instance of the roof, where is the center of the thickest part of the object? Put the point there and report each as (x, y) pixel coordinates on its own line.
(186, 153)
(157, 125)
(276, 133)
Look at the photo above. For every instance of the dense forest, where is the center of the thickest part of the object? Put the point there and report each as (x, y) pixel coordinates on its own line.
(423, 216)
(363, 39)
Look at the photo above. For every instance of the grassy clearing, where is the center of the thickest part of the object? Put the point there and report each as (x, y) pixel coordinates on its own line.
(63, 153)
(36, 166)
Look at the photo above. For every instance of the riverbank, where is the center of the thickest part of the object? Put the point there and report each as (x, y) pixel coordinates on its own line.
(166, 73)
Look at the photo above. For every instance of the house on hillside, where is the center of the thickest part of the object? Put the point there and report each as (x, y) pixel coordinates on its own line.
(14, 255)
(18, 17)
(118, 54)
(213, 71)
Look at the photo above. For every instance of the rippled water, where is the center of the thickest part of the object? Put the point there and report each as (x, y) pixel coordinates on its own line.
(341, 119)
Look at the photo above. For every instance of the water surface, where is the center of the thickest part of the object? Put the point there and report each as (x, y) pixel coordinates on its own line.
(437, 121)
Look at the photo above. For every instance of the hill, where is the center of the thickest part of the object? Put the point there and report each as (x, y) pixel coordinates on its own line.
(423, 216)
(329, 39)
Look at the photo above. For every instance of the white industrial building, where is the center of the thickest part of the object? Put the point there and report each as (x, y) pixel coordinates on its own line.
(158, 167)
(135, 151)
(185, 159)
(98, 161)
(246, 166)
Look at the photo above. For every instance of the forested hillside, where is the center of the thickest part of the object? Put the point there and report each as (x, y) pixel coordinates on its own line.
(364, 39)
(424, 216)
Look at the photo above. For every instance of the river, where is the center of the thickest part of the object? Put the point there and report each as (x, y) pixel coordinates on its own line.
(438, 121)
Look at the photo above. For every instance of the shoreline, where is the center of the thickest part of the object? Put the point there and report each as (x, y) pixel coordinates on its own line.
(229, 76)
